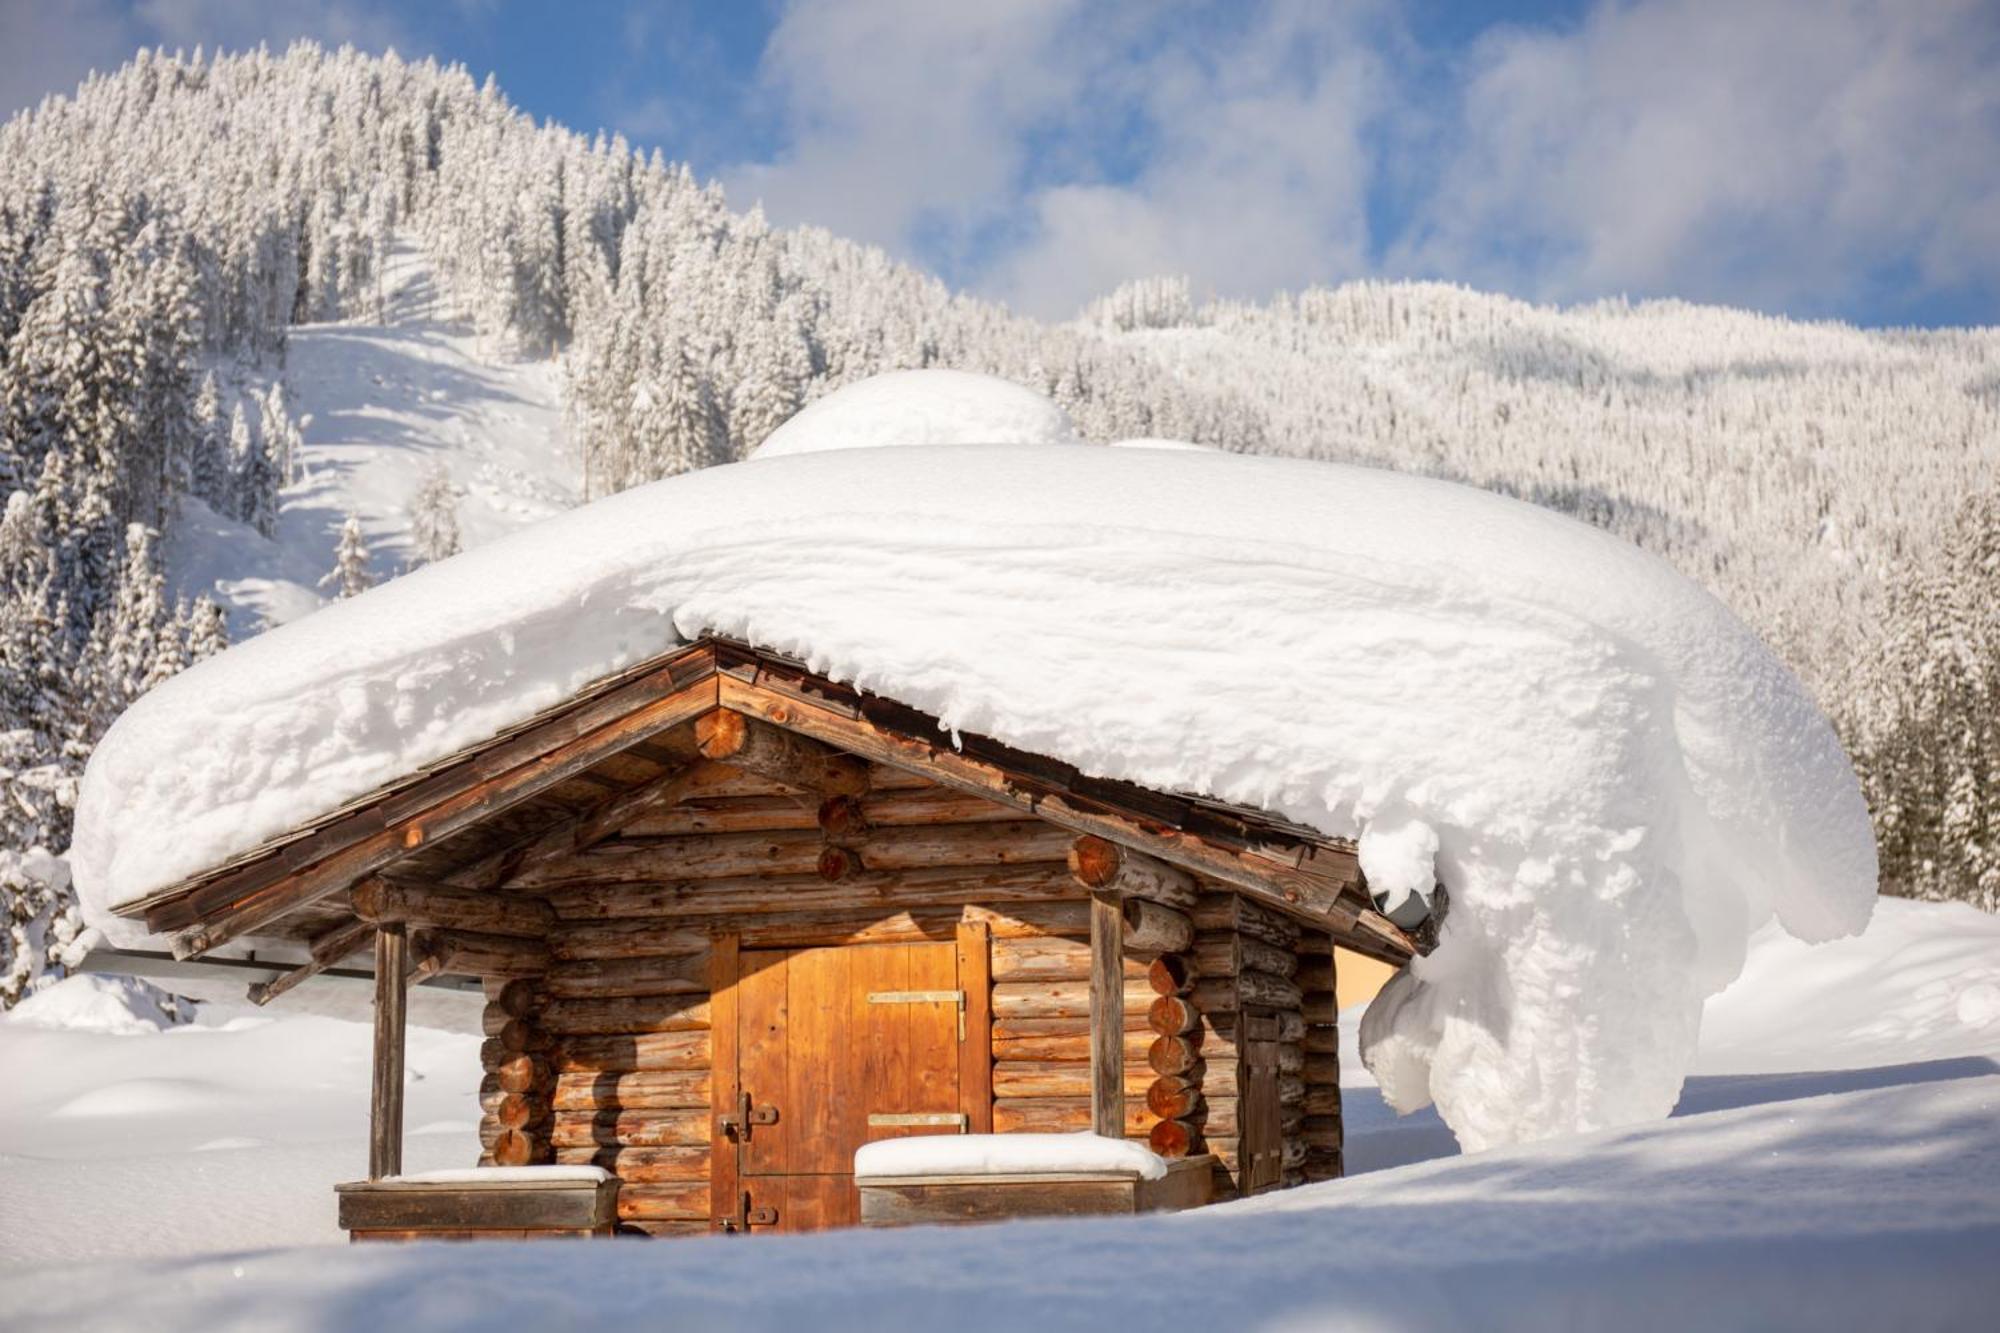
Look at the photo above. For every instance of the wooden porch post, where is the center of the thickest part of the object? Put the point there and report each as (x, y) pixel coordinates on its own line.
(1107, 1015)
(385, 1111)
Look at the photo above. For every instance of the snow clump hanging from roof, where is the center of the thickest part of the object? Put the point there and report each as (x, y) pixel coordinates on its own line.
(1614, 781)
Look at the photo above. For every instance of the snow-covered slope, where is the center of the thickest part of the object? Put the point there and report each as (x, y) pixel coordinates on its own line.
(155, 1173)
(381, 404)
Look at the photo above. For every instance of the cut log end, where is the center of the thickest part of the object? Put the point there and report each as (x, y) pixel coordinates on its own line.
(1095, 861)
(837, 863)
(720, 734)
(1172, 1138)
(1171, 974)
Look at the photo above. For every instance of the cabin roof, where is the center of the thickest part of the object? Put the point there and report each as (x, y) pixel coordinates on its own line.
(464, 816)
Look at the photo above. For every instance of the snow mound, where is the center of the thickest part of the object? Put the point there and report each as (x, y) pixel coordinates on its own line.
(1621, 782)
(1006, 1155)
(921, 407)
(98, 1002)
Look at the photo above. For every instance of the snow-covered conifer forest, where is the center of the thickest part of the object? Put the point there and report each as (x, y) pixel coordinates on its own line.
(161, 232)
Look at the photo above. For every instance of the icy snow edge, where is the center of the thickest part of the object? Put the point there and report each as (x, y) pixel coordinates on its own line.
(1621, 780)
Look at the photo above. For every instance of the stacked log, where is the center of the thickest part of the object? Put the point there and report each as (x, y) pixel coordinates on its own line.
(1041, 1013)
(1175, 1095)
(516, 1116)
(627, 1011)
(1318, 1146)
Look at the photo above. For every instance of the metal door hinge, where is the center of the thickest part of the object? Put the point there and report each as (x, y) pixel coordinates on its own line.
(951, 997)
(956, 1119)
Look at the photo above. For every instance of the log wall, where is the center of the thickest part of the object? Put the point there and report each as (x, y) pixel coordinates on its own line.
(605, 1056)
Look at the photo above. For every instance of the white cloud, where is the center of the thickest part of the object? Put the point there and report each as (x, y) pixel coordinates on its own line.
(904, 115)
(1769, 152)
(1257, 179)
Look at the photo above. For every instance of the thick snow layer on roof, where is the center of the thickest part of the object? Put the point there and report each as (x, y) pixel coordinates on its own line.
(1620, 780)
(922, 407)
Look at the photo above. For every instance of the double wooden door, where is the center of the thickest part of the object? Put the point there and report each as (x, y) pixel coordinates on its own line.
(838, 1047)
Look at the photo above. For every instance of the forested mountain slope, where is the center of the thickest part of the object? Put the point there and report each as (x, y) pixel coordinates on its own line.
(175, 237)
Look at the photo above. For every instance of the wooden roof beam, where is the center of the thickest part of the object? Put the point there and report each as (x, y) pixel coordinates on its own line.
(779, 755)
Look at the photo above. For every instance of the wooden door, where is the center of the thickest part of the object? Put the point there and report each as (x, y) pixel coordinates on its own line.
(837, 1047)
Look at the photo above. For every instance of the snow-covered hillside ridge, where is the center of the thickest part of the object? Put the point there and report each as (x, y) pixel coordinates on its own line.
(1541, 715)
(1833, 1164)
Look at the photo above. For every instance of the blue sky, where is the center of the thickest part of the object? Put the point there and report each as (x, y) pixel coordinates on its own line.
(1819, 158)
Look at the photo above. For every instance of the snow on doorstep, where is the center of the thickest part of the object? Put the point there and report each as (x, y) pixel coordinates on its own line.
(1621, 781)
(922, 407)
(508, 1175)
(1006, 1155)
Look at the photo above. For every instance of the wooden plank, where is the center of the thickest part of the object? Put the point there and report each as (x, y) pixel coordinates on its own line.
(385, 1108)
(975, 1052)
(570, 1020)
(379, 898)
(644, 974)
(326, 950)
(1107, 1009)
(477, 1206)
(724, 1164)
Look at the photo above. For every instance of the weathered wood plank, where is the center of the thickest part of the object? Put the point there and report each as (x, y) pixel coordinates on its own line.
(1107, 1010)
(380, 899)
(625, 1015)
(385, 1109)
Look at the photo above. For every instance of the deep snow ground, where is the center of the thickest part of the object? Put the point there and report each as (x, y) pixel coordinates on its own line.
(386, 402)
(1834, 1164)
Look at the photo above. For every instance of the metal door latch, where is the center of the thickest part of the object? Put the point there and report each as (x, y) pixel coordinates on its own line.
(746, 1217)
(737, 1123)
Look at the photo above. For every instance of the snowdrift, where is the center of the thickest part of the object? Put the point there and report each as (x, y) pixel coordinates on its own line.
(1613, 778)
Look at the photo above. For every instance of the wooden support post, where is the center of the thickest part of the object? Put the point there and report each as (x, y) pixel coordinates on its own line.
(1107, 1016)
(385, 1113)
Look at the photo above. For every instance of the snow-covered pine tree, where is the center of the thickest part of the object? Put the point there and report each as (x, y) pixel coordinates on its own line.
(350, 575)
(208, 630)
(209, 464)
(255, 474)
(434, 518)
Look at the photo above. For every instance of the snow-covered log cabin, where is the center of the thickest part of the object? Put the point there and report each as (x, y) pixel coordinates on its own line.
(736, 920)
(808, 816)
